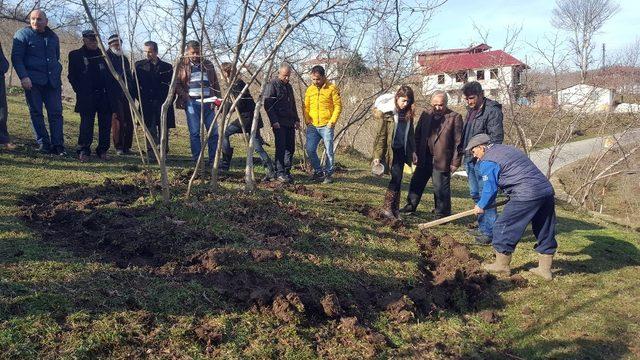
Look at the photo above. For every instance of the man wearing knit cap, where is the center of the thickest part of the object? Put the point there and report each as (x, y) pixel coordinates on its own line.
(121, 122)
(89, 76)
(531, 200)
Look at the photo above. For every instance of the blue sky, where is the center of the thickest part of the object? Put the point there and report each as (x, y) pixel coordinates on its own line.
(452, 25)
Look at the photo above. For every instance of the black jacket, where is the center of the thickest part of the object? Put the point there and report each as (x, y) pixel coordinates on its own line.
(280, 103)
(487, 121)
(153, 83)
(89, 77)
(4, 63)
(113, 87)
(246, 107)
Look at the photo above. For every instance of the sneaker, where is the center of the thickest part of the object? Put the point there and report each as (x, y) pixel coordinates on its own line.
(483, 239)
(44, 149)
(317, 176)
(327, 180)
(103, 156)
(8, 146)
(82, 157)
(283, 179)
(59, 150)
(119, 152)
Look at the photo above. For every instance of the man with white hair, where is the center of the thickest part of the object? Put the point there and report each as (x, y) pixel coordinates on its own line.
(280, 104)
(121, 121)
(36, 58)
(439, 150)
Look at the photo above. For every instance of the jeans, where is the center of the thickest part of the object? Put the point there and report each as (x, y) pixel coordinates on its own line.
(285, 139)
(192, 110)
(486, 220)
(4, 133)
(514, 219)
(52, 99)
(314, 135)
(235, 128)
(85, 138)
(397, 169)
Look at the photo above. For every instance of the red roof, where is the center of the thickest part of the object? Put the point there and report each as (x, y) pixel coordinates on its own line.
(465, 61)
(470, 49)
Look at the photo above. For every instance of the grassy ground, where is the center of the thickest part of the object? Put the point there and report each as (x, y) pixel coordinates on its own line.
(96, 268)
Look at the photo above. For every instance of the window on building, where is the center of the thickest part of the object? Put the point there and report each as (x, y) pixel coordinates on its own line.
(441, 79)
(461, 76)
(494, 73)
(480, 75)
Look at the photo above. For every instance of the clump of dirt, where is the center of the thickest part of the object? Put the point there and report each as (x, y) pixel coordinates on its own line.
(453, 279)
(331, 305)
(305, 191)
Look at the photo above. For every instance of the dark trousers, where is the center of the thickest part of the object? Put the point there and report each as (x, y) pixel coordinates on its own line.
(4, 132)
(441, 192)
(419, 181)
(515, 217)
(285, 139)
(52, 99)
(85, 138)
(122, 126)
(152, 122)
(397, 169)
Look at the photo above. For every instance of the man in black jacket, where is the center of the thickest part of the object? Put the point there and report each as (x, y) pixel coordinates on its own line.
(484, 116)
(154, 77)
(5, 141)
(280, 104)
(121, 122)
(88, 75)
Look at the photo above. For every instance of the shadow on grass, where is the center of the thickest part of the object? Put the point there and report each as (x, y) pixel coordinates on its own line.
(605, 253)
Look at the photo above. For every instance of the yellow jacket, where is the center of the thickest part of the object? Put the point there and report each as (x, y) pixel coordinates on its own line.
(322, 106)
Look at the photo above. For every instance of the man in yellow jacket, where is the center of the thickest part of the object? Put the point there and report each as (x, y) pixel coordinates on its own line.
(322, 106)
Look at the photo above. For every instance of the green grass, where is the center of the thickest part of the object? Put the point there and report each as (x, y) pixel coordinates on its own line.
(56, 302)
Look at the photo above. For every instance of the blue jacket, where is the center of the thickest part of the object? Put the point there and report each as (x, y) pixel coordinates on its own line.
(37, 56)
(509, 169)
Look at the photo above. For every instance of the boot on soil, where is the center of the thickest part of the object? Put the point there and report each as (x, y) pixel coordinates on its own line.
(408, 209)
(500, 265)
(387, 208)
(544, 266)
(225, 164)
(395, 206)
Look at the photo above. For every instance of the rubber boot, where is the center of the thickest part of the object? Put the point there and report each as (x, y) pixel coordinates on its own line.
(225, 164)
(544, 266)
(270, 171)
(500, 265)
(387, 208)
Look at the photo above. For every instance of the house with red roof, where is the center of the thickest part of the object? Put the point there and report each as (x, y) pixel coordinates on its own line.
(448, 70)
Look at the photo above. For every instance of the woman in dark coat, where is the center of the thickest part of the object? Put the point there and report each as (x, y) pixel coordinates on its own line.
(394, 145)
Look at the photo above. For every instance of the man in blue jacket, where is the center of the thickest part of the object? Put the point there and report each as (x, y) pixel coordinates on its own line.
(36, 59)
(484, 116)
(531, 200)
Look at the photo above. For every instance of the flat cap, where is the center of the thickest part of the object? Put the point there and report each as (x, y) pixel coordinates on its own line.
(88, 33)
(113, 38)
(479, 139)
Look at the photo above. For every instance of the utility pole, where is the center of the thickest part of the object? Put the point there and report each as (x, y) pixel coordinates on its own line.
(604, 64)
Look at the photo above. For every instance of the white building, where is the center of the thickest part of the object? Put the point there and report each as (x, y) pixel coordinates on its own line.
(586, 98)
(448, 70)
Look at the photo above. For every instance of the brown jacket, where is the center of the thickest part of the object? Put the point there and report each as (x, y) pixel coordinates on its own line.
(441, 143)
(184, 74)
